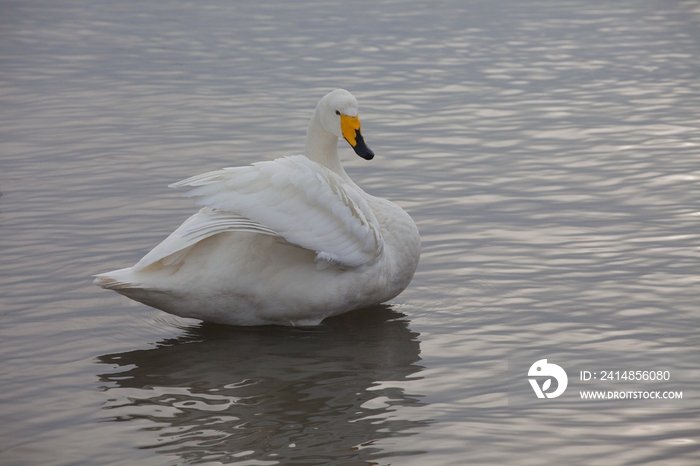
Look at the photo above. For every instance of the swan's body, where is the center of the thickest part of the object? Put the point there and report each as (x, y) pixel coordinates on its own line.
(290, 241)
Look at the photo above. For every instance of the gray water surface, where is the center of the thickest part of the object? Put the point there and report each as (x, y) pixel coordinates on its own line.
(548, 151)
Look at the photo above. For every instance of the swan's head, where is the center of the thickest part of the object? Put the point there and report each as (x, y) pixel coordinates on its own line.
(337, 111)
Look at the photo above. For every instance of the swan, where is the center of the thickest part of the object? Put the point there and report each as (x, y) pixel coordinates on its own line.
(289, 241)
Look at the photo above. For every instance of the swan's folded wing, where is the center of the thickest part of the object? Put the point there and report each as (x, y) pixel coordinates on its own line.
(202, 225)
(299, 200)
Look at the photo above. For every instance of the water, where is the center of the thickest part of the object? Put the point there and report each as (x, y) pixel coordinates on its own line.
(548, 152)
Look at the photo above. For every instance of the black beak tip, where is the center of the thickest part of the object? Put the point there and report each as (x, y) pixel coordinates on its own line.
(364, 152)
(361, 148)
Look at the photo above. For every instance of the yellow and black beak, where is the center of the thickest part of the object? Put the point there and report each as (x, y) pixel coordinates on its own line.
(350, 127)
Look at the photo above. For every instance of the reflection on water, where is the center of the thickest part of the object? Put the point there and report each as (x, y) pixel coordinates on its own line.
(293, 396)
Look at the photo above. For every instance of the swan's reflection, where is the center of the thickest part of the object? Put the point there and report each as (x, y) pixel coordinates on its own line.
(282, 395)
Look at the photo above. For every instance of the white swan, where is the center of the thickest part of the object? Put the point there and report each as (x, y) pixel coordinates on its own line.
(290, 241)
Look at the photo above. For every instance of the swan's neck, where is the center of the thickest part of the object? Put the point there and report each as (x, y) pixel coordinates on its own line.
(322, 147)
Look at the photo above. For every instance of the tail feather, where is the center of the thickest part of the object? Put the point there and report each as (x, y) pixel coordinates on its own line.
(115, 280)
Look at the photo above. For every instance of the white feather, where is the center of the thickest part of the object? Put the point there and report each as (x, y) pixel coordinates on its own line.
(200, 226)
(299, 200)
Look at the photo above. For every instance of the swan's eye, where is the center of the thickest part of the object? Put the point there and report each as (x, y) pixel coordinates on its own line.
(337, 112)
